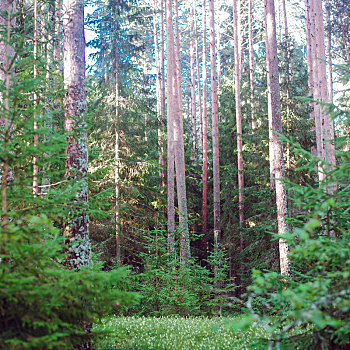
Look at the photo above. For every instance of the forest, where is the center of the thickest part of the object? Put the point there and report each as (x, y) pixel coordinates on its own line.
(175, 174)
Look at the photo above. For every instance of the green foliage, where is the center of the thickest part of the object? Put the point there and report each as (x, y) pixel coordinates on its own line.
(42, 304)
(316, 297)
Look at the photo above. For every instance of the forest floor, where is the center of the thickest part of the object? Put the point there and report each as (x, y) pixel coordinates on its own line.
(178, 333)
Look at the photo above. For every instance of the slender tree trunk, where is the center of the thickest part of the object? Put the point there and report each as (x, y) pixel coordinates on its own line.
(324, 126)
(162, 93)
(309, 52)
(171, 90)
(77, 148)
(329, 51)
(36, 136)
(160, 113)
(179, 148)
(193, 91)
(178, 70)
(116, 152)
(238, 118)
(6, 55)
(251, 66)
(218, 21)
(289, 73)
(274, 111)
(198, 75)
(215, 126)
(344, 32)
(204, 138)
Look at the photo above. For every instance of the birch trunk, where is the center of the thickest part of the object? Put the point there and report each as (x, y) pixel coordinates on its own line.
(275, 123)
(77, 148)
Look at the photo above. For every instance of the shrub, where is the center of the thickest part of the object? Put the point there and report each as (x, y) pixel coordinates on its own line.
(42, 304)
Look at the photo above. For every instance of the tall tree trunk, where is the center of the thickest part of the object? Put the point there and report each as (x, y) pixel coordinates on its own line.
(289, 72)
(179, 148)
(324, 125)
(160, 112)
(116, 151)
(309, 52)
(204, 137)
(329, 51)
(215, 126)
(77, 148)
(7, 52)
(193, 91)
(251, 66)
(198, 75)
(171, 102)
(238, 118)
(218, 35)
(275, 124)
(162, 91)
(36, 135)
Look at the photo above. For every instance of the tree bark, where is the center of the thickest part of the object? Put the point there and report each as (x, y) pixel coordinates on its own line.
(251, 66)
(309, 51)
(171, 90)
(160, 111)
(7, 53)
(238, 119)
(162, 90)
(198, 75)
(324, 125)
(179, 148)
(193, 91)
(204, 137)
(215, 125)
(77, 231)
(116, 150)
(275, 124)
(36, 136)
(329, 51)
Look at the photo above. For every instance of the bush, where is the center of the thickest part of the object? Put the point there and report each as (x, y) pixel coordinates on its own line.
(42, 304)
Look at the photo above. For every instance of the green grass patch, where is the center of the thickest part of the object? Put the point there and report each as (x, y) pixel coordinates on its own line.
(177, 333)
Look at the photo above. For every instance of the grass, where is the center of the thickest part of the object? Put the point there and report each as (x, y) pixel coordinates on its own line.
(177, 333)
